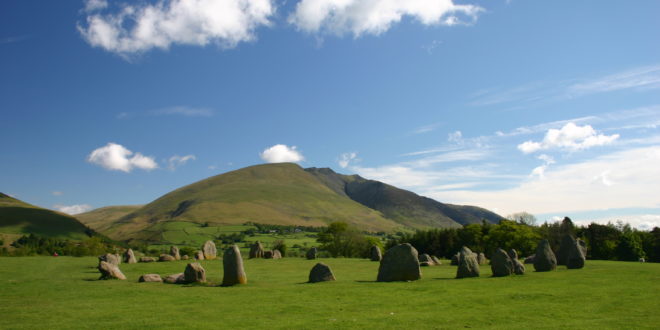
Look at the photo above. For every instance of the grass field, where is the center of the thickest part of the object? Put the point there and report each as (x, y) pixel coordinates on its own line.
(47, 292)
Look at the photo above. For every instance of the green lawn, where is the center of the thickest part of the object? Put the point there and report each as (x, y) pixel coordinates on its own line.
(47, 292)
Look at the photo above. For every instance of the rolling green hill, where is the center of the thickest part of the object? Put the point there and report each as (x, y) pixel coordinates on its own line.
(19, 218)
(282, 194)
(103, 218)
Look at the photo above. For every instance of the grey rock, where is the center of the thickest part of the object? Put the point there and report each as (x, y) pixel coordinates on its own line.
(166, 257)
(455, 259)
(518, 267)
(174, 252)
(277, 254)
(311, 253)
(501, 264)
(481, 258)
(426, 260)
(209, 250)
(575, 258)
(321, 273)
(436, 260)
(565, 246)
(529, 260)
(257, 250)
(513, 254)
(129, 257)
(400, 263)
(268, 254)
(468, 266)
(185, 257)
(110, 271)
(194, 273)
(147, 259)
(199, 255)
(583, 247)
(375, 254)
(544, 259)
(110, 258)
(175, 279)
(233, 267)
(150, 278)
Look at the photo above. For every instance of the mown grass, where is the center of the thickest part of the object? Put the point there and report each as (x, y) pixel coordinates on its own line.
(47, 292)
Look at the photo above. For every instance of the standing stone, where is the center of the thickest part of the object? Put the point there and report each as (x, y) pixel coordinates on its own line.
(544, 259)
(311, 253)
(436, 260)
(199, 255)
(566, 245)
(233, 267)
(210, 251)
(110, 258)
(174, 251)
(118, 256)
(194, 273)
(426, 260)
(277, 254)
(179, 278)
(513, 254)
(166, 257)
(268, 254)
(185, 257)
(129, 257)
(375, 253)
(257, 250)
(530, 259)
(468, 266)
(455, 258)
(583, 247)
(321, 273)
(150, 278)
(575, 258)
(400, 263)
(518, 267)
(110, 271)
(501, 264)
(481, 258)
(147, 259)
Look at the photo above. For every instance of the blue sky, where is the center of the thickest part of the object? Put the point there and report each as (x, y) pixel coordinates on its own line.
(547, 107)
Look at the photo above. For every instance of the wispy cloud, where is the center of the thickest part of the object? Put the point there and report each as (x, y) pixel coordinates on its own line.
(183, 111)
(346, 159)
(14, 39)
(175, 161)
(427, 128)
(644, 77)
(56, 193)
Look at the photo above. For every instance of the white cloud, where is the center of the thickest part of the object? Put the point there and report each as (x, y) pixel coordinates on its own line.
(184, 111)
(73, 209)
(639, 221)
(117, 158)
(138, 28)
(624, 179)
(95, 5)
(176, 161)
(571, 137)
(539, 171)
(375, 17)
(346, 158)
(281, 153)
(427, 128)
(455, 137)
(57, 193)
(643, 78)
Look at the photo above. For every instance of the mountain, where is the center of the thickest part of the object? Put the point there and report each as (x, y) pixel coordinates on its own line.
(284, 194)
(18, 218)
(400, 205)
(103, 218)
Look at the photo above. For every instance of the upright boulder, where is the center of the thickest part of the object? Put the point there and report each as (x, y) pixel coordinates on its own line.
(426, 260)
(583, 247)
(575, 258)
(455, 259)
(321, 273)
(110, 258)
(375, 253)
(400, 263)
(513, 254)
(518, 267)
(436, 260)
(567, 243)
(481, 258)
(199, 255)
(277, 254)
(150, 278)
(233, 267)
(311, 253)
(174, 252)
(166, 257)
(468, 266)
(110, 271)
(529, 260)
(129, 257)
(194, 273)
(210, 251)
(501, 264)
(544, 259)
(257, 250)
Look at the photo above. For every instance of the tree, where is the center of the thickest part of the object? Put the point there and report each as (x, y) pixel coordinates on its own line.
(523, 218)
(341, 240)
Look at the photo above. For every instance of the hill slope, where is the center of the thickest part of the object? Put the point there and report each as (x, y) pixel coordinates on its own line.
(400, 205)
(103, 218)
(19, 218)
(282, 194)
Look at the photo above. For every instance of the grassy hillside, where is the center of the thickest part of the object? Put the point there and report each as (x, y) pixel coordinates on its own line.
(56, 293)
(19, 218)
(103, 218)
(282, 194)
(400, 205)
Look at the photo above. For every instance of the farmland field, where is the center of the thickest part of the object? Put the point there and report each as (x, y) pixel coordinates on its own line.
(63, 292)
